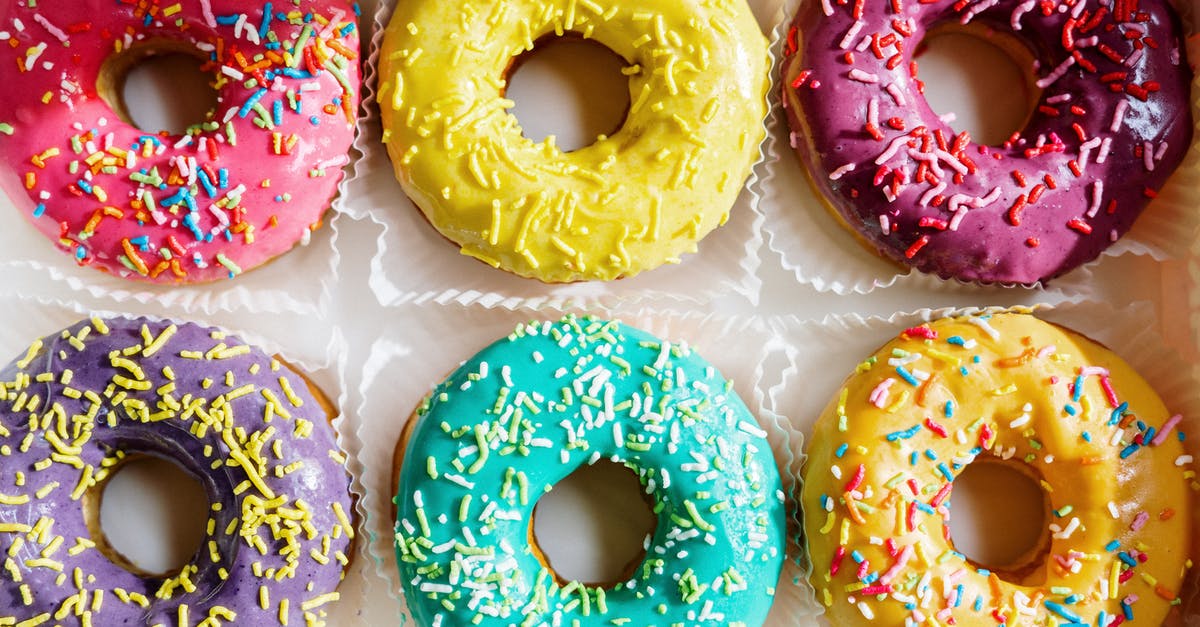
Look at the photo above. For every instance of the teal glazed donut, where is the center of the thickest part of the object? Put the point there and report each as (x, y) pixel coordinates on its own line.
(532, 408)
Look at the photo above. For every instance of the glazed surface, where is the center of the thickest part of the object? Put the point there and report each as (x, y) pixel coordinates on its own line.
(245, 426)
(228, 195)
(627, 203)
(529, 410)
(1005, 388)
(1112, 122)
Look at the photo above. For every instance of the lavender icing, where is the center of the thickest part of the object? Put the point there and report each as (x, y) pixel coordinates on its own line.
(244, 425)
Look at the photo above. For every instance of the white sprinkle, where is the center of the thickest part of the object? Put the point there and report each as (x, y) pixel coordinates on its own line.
(897, 94)
(1112, 510)
(50, 28)
(827, 7)
(1118, 115)
(1134, 57)
(865, 77)
(1183, 460)
(1058, 73)
(1021, 10)
(976, 9)
(928, 196)
(1097, 194)
(851, 34)
(1105, 146)
(1148, 156)
(842, 171)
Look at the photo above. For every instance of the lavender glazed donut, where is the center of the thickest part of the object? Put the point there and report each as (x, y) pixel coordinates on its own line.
(80, 403)
(225, 196)
(1112, 122)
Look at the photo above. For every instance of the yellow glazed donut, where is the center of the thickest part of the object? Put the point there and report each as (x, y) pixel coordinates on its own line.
(1010, 389)
(698, 74)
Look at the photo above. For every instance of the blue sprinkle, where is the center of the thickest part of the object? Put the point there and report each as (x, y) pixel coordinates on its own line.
(1063, 612)
(142, 242)
(228, 20)
(1071, 600)
(962, 370)
(80, 252)
(1102, 619)
(903, 435)
(931, 455)
(978, 603)
(870, 579)
(955, 340)
(907, 376)
(1127, 558)
(209, 188)
(1118, 413)
(250, 102)
(223, 178)
(924, 507)
(1087, 437)
(841, 450)
(942, 468)
(277, 112)
(1078, 388)
(958, 597)
(1069, 409)
(266, 21)
(912, 458)
(1129, 450)
(985, 572)
(357, 10)
(189, 221)
(1127, 610)
(1112, 546)
(1149, 437)
(856, 556)
(85, 186)
(315, 121)
(39, 210)
(976, 359)
(949, 409)
(347, 29)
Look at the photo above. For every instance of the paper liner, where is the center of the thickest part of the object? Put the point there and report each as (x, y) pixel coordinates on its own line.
(822, 253)
(403, 367)
(415, 264)
(299, 281)
(315, 349)
(813, 359)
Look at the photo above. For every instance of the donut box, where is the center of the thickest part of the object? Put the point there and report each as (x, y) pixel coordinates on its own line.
(378, 308)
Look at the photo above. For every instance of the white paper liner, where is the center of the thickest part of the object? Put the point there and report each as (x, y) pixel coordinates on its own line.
(299, 281)
(415, 264)
(315, 349)
(404, 366)
(817, 356)
(822, 253)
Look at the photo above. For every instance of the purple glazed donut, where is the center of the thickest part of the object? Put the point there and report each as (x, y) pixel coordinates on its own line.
(79, 403)
(1112, 123)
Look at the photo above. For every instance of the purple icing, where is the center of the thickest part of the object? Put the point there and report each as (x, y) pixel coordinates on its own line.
(982, 226)
(320, 483)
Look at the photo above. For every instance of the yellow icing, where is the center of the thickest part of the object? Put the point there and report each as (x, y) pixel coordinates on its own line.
(698, 74)
(1081, 479)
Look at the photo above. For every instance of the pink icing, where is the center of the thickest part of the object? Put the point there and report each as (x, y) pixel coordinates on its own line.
(217, 201)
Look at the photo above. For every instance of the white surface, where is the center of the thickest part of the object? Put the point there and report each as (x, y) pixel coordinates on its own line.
(355, 312)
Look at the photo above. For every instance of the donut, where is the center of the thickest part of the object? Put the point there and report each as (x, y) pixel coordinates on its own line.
(526, 412)
(226, 196)
(1014, 390)
(1112, 120)
(81, 403)
(631, 201)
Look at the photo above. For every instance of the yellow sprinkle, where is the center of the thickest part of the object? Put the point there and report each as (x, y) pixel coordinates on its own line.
(159, 341)
(19, 499)
(319, 601)
(283, 612)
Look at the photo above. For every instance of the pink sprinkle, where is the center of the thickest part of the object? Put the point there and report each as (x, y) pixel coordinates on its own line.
(922, 332)
(1091, 371)
(1118, 115)
(842, 171)
(871, 591)
(1139, 521)
(857, 479)
(1166, 429)
(1047, 351)
(1109, 392)
(878, 396)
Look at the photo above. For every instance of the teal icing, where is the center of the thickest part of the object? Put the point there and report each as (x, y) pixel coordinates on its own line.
(531, 409)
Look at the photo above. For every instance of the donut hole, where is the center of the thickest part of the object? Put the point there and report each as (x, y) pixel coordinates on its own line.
(593, 526)
(159, 87)
(983, 77)
(149, 517)
(569, 88)
(999, 517)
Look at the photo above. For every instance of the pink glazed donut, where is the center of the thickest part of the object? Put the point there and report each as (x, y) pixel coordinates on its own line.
(1112, 122)
(224, 197)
